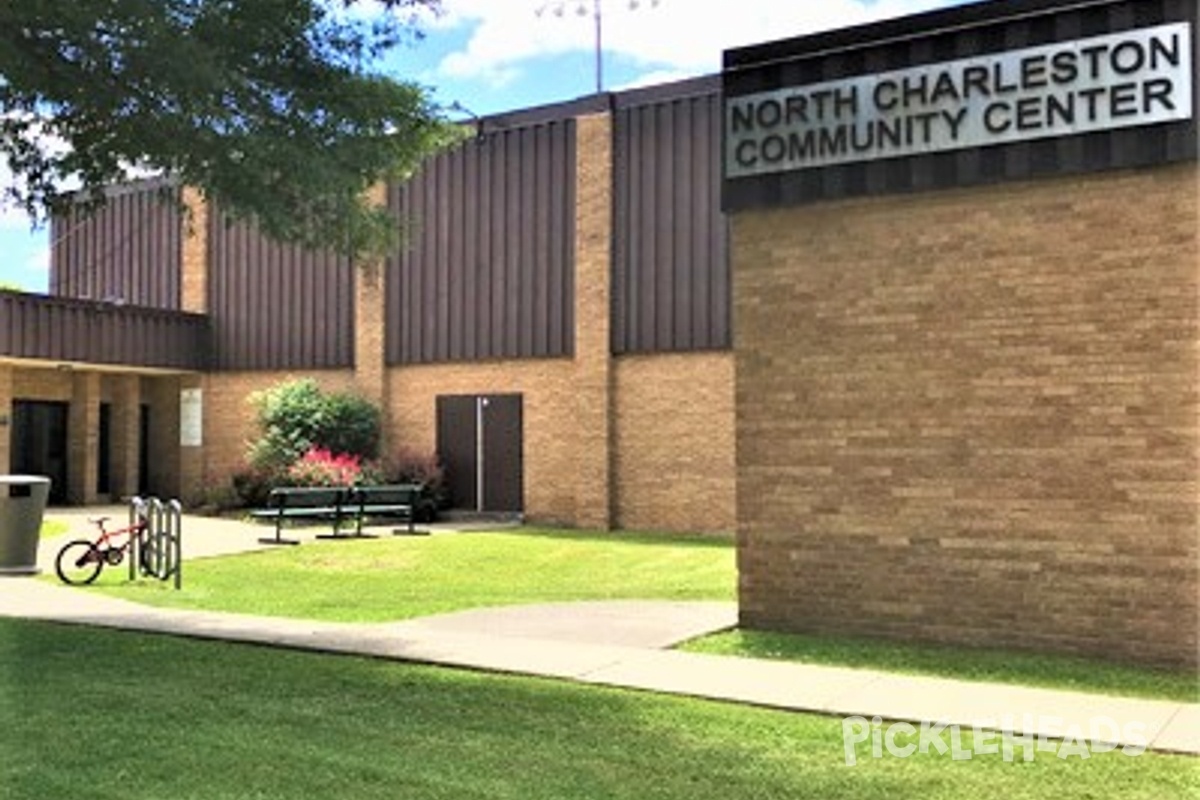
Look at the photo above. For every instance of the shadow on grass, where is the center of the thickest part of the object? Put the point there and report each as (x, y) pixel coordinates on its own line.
(719, 541)
(112, 714)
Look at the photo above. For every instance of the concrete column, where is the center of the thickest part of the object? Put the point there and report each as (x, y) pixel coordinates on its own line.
(194, 280)
(593, 352)
(6, 414)
(125, 434)
(83, 430)
(370, 320)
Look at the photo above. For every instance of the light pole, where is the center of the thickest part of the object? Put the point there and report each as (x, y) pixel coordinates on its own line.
(558, 9)
(596, 18)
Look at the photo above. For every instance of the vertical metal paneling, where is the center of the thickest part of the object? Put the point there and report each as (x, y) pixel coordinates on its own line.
(277, 306)
(670, 250)
(128, 250)
(485, 268)
(68, 330)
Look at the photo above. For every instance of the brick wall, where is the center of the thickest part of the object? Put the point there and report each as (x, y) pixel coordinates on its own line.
(229, 415)
(83, 425)
(592, 393)
(551, 430)
(370, 321)
(194, 266)
(52, 385)
(673, 417)
(674, 464)
(972, 415)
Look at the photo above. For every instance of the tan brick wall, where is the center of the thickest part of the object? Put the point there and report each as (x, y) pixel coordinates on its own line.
(229, 416)
(194, 280)
(370, 304)
(593, 362)
(164, 477)
(972, 415)
(51, 385)
(548, 419)
(83, 449)
(674, 464)
(125, 394)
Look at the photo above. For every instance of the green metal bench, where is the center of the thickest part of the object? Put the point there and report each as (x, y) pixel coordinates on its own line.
(293, 503)
(339, 505)
(399, 501)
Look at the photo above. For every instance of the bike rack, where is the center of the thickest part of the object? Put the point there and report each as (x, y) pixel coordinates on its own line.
(163, 539)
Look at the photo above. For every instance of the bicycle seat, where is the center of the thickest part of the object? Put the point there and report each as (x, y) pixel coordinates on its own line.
(98, 520)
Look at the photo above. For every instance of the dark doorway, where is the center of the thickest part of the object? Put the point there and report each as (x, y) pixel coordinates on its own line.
(479, 442)
(104, 456)
(39, 443)
(143, 487)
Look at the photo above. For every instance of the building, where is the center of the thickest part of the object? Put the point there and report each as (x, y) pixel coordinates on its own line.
(560, 306)
(966, 260)
(912, 305)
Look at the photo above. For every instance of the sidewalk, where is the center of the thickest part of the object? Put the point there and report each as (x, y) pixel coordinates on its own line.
(623, 644)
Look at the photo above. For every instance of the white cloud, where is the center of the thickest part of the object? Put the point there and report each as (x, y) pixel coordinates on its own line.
(13, 218)
(654, 78)
(685, 37)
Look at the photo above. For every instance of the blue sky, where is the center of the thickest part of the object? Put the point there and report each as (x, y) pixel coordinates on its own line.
(499, 55)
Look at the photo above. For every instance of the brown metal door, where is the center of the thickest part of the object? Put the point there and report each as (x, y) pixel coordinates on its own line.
(479, 442)
(503, 464)
(457, 447)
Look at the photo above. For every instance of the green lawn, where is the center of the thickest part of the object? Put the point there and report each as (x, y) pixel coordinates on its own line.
(394, 578)
(965, 663)
(104, 714)
(53, 527)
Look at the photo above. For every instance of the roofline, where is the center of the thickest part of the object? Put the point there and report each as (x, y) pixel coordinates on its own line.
(898, 29)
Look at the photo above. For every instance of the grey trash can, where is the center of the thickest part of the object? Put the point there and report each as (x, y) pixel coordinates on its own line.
(22, 506)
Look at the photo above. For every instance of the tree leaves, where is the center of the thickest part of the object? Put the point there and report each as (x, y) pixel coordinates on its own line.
(269, 107)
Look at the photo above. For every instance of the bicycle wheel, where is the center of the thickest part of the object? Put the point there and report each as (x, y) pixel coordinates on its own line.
(149, 560)
(78, 562)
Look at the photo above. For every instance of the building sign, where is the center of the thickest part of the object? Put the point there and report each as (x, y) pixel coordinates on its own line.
(1139, 77)
(191, 418)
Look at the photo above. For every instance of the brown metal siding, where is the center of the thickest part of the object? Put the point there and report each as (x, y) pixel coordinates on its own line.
(277, 306)
(671, 280)
(60, 329)
(130, 249)
(486, 266)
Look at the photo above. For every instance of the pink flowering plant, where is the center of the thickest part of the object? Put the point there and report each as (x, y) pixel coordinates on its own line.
(320, 467)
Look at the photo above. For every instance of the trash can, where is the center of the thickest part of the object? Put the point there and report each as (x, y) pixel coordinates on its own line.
(22, 505)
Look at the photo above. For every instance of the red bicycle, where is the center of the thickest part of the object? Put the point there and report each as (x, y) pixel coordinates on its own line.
(80, 561)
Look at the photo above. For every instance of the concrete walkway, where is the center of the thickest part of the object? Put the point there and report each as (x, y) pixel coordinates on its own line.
(623, 643)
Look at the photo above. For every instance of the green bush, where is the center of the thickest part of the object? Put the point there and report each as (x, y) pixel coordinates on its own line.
(351, 426)
(296, 416)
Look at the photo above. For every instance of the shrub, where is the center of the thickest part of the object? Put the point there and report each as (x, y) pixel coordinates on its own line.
(214, 499)
(411, 466)
(254, 484)
(351, 425)
(296, 416)
(319, 467)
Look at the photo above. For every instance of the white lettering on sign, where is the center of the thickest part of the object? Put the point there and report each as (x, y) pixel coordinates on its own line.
(1139, 77)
